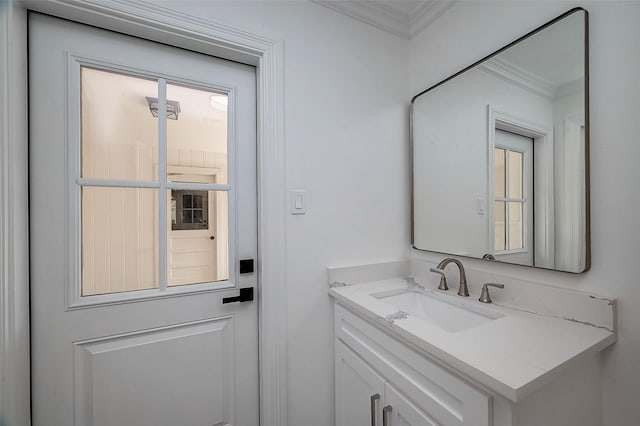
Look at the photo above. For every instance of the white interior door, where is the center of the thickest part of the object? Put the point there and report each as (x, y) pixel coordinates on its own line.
(119, 126)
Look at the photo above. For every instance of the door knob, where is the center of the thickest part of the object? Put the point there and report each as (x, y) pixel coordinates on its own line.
(246, 295)
(211, 237)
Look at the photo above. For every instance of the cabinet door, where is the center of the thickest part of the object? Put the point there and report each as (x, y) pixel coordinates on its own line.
(359, 390)
(441, 394)
(400, 411)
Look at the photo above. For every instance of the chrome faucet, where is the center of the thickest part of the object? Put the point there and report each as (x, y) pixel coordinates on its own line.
(463, 290)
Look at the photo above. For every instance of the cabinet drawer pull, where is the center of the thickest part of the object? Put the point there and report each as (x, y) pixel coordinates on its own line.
(374, 398)
(386, 410)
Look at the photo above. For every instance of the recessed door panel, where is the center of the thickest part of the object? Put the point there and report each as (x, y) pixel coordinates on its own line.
(168, 376)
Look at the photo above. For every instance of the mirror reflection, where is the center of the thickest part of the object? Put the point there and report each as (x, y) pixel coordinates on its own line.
(499, 154)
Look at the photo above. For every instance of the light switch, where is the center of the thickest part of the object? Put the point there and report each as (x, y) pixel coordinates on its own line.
(482, 205)
(298, 202)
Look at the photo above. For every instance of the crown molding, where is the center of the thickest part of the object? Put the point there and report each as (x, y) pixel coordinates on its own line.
(519, 76)
(426, 13)
(525, 79)
(391, 19)
(370, 13)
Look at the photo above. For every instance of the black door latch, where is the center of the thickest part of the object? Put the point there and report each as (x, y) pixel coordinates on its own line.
(246, 295)
(246, 266)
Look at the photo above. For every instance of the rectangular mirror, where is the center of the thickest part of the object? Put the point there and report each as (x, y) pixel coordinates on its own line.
(500, 154)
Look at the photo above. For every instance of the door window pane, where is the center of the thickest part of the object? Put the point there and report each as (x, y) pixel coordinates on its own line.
(197, 138)
(198, 253)
(515, 174)
(120, 229)
(508, 176)
(119, 133)
(499, 227)
(516, 226)
(499, 173)
(119, 240)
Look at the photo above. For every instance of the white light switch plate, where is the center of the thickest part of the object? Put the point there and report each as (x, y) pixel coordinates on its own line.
(298, 201)
(482, 205)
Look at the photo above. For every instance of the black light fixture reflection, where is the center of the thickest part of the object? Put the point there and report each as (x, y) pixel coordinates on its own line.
(173, 108)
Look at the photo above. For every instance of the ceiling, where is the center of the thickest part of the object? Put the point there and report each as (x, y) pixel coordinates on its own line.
(404, 18)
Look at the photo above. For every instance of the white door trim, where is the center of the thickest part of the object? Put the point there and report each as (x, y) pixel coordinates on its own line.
(152, 22)
(14, 227)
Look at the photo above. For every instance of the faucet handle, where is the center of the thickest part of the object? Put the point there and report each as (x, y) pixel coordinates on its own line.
(443, 279)
(484, 295)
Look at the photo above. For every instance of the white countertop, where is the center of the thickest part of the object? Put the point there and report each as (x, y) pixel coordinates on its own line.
(513, 355)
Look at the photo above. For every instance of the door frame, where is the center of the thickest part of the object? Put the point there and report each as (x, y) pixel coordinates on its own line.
(177, 29)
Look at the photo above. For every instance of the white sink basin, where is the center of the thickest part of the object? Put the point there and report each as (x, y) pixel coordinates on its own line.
(446, 315)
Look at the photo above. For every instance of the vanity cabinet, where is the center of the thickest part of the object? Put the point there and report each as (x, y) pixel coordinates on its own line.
(380, 381)
(538, 363)
(363, 397)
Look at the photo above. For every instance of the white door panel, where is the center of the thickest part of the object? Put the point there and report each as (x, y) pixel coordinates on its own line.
(123, 380)
(133, 348)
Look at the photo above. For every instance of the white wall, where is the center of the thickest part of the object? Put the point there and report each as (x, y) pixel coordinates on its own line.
(469, 31)
(346, 100)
